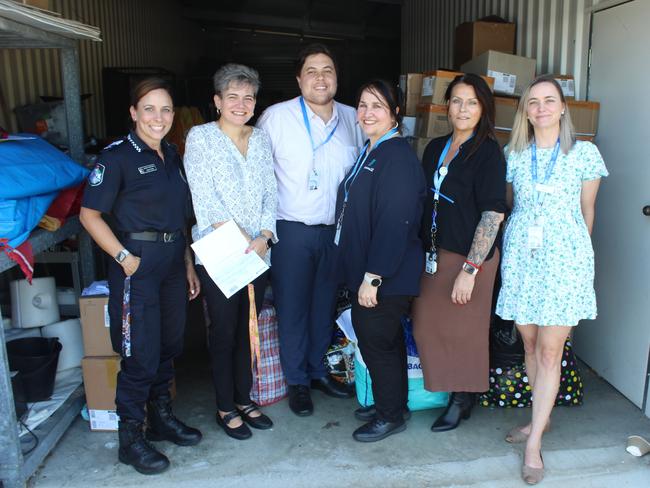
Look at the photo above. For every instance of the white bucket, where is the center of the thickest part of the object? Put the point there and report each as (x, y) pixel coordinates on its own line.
(34, 305)
(69, 334)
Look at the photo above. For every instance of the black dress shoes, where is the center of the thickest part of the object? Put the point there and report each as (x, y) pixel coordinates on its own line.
(459, 408)
(240, 433)
(366, 414)
(261, 422)
(300, 400)
(331, 387)
(377, 430)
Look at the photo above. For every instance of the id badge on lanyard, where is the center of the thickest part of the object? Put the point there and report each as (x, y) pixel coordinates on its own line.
(313, 174)
(356, 169)
(540, 190)
(439, 175)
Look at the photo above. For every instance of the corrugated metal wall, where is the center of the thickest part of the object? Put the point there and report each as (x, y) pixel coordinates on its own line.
(135, 33)
(555, 32)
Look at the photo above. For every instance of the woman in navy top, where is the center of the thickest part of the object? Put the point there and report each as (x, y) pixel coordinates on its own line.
(378, 212)
(140, 182)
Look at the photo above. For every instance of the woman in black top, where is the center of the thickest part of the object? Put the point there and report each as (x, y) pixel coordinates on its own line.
(139, 181)
(463, 212)
(378, 212)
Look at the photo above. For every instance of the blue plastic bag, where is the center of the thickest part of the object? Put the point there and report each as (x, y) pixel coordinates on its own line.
(418, 397)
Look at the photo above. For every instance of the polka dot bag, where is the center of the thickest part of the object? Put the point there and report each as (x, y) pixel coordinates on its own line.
(509, 387)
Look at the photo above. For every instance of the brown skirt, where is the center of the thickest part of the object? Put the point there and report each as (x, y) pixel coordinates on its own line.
(453, 340)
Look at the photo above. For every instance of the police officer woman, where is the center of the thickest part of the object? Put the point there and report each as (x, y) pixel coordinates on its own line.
(139, 181)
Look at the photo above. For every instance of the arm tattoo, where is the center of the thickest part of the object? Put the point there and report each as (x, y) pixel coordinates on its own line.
(486, 233)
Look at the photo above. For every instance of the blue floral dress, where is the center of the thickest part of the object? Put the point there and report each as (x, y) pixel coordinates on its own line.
(554, 284)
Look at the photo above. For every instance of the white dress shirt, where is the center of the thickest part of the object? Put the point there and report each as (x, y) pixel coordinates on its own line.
(294, 159)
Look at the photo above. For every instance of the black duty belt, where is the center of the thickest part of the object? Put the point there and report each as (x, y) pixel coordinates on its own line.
(152, 236)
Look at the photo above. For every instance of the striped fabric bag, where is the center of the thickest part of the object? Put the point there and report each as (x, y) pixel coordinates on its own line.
(269, 383)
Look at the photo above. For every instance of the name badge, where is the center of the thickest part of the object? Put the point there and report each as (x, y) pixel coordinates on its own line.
(148, 168)
(535, 237)
(431, 263)
(313, 180)
(337, 236)
(542, 188)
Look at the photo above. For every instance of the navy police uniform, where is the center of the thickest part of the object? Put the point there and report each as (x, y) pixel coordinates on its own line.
(148, 200)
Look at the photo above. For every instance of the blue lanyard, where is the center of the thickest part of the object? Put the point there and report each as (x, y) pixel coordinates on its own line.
(440, 173)
(549, 169)
(305, 118)
(356, 169)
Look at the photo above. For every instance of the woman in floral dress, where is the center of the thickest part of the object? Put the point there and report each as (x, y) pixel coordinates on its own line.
(548, 260)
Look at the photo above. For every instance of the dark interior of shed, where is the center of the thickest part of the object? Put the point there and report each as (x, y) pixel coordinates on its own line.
(364, 35)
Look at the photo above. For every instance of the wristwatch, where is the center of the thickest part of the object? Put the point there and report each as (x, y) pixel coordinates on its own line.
(269, 243)
(468, 268)
(121, 256)
(376, 282)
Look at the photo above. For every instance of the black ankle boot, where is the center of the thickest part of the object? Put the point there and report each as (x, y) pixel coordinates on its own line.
(459, 408)
(137, 452)
(164, 426)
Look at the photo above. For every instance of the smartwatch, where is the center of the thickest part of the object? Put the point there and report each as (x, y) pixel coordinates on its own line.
(121, 256)
(468, 268)
(376, 282)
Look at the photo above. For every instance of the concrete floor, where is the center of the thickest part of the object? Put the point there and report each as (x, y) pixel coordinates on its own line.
(585, 448)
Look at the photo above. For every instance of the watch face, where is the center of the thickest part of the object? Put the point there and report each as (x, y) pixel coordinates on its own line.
(469, 269)
(375, 282)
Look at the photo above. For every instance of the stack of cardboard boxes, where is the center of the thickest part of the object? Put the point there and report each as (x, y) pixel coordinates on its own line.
(100, 363)
(486, 49)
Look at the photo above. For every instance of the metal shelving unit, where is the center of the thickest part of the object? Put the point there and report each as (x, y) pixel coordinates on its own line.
(15, 468)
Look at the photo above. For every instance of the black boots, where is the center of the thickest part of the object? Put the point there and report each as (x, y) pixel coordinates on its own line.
(137, 452)
(164, 426)
(459, 408)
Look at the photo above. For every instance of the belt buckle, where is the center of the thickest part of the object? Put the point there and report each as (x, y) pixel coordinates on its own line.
(168, 237)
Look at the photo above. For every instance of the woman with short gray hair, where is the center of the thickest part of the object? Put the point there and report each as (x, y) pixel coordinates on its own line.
(229, 169)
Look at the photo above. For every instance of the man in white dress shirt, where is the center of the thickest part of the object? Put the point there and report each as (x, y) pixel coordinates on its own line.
(315, 141)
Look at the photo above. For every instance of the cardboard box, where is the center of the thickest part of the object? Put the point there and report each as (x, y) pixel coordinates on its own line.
(434, 86)
(568, 85)
(411, 86)
(408, 126)
(512, 74)
(505, 110)
(100, 381)
(584, 116)
(474, 38)
(503, 136)
(95, 326)
(432, 121)
(419, 144)
(42, 4)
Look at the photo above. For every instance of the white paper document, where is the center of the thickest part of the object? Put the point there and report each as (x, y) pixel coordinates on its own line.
(222, 252)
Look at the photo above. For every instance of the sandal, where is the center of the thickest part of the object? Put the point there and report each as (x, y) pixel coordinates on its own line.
(531, 475)
(261, 422)
(517, 436)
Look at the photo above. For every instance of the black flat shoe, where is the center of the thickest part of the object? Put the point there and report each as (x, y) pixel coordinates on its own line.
(300, 400)
(459, 408)
(367, 414)
(377, 430)
(261, 422)
(331, 387)
(240, 433)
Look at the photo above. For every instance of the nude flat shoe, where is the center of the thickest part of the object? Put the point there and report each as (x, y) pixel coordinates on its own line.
(531, 475)
(517, 436)
(637, 446)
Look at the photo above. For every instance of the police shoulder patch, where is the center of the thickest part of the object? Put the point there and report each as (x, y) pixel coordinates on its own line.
(97, 175)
